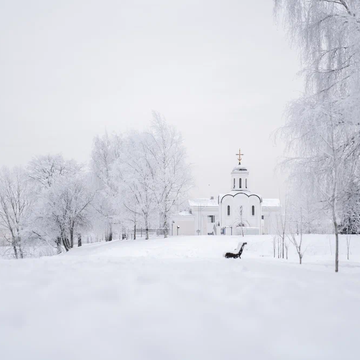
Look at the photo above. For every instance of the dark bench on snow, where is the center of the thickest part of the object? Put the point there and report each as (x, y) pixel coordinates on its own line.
(237, 253)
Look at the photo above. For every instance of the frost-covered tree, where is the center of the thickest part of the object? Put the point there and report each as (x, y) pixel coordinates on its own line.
(316, 135)
(62, 200)
(64, 209)
(142, 176)
(323, 127)
(106, 150)
(44, 169)
(136, 171)
(172, 175)
(296, 219)
(327, 34)
(350, 223)
(15, 207)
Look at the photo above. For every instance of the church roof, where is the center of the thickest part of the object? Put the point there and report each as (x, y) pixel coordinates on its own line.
(185, 213)
(203, 202)
(234, 193)
(240, 169)
(271, 203)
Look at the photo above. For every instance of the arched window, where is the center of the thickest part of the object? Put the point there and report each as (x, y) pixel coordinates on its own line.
(253, 210)
(234, 184)
(240, 183)
(228, 210)
(245, 183)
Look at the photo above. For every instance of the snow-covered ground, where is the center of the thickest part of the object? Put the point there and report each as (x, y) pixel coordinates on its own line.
(178, 298)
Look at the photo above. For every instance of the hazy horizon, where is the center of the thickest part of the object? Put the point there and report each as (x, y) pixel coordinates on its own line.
(222, 73)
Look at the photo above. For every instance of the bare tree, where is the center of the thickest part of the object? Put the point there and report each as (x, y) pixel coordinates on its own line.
(297, 241)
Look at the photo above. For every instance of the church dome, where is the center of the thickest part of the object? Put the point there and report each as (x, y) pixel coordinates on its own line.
(239, 169)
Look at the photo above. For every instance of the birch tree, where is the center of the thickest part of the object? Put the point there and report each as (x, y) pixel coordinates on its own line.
(322, 130)
(281, 230)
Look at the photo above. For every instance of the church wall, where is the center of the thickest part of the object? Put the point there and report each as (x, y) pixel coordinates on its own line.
(203, 224)
(270, 220)
(235, 203)
(186, 225)
(209, 216)
(235, 181)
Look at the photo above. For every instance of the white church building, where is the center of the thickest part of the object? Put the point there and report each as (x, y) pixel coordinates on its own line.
(236, 212)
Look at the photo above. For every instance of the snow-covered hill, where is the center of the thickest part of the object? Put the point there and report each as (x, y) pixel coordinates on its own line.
(178, 298)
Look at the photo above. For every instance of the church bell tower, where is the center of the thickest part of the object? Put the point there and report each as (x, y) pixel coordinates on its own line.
(240, 176)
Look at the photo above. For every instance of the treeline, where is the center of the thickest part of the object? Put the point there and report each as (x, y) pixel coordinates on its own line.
(133, 180)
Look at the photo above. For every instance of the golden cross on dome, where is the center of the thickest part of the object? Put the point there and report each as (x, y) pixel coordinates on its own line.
(240, 156)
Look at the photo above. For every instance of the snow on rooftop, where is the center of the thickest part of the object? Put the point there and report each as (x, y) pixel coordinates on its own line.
(242, 191)
(203, 202)
(271, 203)
(185, 213)
(241, 168)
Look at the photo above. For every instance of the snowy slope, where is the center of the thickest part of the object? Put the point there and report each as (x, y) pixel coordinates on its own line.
(180, 299)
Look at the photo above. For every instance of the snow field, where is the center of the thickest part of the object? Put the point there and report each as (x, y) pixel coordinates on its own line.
(178, 298)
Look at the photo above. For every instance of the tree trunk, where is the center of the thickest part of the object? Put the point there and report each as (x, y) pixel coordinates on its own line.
(336, 247)
(165, 226)
(274, 247)
(21, 251)
(278, 248)
(18, 243)
(336, 230)
(79, 240)
(66, 243)
(71, 236)
(348, 239)
(58, 245)
(134, 231)
(334, 199)
(15, 251)
(110, 232)
(146, 228)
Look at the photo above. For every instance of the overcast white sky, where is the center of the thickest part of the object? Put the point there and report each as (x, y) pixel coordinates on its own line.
(221, 71)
